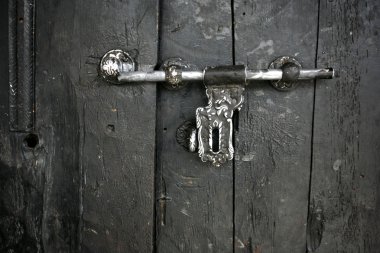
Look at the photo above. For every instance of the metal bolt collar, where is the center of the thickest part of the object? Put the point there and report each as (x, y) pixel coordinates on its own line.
(173, 76)
(173, 68)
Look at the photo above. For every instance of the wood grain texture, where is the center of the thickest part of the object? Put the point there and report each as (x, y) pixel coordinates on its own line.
(88, 184)
(99, 138)
(21, 173)
(194, 199)
(57, 125)
(273, 141)
(346, 144)
(117, 145)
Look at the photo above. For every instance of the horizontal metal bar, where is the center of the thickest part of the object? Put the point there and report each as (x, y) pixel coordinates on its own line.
(157, 76)
(192, 75)
(266, 74)
(326, 73)
(140, 76)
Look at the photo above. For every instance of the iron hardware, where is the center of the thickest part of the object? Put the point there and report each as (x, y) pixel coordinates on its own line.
(224, 89)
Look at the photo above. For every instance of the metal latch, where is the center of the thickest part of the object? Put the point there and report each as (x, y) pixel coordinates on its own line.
(224, 90)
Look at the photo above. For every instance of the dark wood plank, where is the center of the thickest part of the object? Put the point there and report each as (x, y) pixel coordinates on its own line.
(273, 142)
(345, 189)
(20, 191)
(22, 175)
(118, 128)
(194, 199)
(57, 125)
(99, 159)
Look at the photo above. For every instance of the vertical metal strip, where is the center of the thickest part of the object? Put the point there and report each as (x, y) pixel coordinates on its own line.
(13, 78)
(21, 64)
(27, 119)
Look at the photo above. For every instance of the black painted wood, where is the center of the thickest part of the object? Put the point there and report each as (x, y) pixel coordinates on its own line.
(21, 173)
(83, 180)
(57, 124)
(346, 174)
(117, 122)
(87, 185)
(273, 141)
(194, 199)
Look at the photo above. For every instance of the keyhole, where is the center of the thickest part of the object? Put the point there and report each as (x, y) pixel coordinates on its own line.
(215, 139)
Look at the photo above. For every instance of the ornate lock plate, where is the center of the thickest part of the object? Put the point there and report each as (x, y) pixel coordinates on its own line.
(214, 123)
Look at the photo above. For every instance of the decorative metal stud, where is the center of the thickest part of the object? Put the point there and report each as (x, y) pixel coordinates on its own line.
(115, 62)
(291, 71)
(187, 136)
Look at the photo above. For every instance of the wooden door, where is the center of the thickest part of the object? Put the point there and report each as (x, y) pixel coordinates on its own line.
(89, 166)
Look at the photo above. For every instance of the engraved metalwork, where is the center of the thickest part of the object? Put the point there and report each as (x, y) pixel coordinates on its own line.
(114, 63)
(21, 65)
(119, 67)
(212, 135)
(217, 116)
(174, 69)
(193, 141)
(279, 63)
(173, 76)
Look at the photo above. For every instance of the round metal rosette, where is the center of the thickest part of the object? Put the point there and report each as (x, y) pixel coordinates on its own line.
(173, 68)
(186, 136)
(113, 63)
(291, 68)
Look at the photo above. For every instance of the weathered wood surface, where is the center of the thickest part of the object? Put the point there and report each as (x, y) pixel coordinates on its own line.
(87, 185)
(57, 125)
(39, 172)
(345, 181)
(194, 199)
(117, 122)
(273, 142)
(21, 182)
